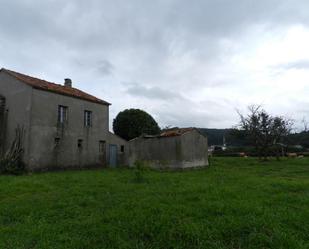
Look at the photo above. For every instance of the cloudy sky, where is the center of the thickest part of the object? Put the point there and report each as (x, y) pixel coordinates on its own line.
(187, 63)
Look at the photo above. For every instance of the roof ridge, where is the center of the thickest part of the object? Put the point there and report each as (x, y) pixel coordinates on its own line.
(22, 74)
(53, 87)
(176, 131)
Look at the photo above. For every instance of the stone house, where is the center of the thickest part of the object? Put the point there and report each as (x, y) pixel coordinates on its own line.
(64, 126)
(175, 149)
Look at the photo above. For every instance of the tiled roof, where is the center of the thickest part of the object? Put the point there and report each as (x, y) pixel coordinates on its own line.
(53, 87)
(175, 132)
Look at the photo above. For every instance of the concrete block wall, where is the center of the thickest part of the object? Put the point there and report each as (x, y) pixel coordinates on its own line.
(178, 152)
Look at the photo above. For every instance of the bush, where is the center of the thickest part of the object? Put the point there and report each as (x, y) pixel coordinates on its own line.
(140, 168)
(11, 161)
(132, 123)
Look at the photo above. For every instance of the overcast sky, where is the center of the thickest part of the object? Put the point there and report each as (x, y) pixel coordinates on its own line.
(187, 63)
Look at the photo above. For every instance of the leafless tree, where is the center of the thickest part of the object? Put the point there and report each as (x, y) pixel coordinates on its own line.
(305, 124)
(266, 132)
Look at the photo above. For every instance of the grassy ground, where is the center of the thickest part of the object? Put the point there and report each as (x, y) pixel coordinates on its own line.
(236, 203)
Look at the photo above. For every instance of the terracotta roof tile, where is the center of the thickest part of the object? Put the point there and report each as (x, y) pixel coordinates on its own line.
(53, 87)
(175, 132)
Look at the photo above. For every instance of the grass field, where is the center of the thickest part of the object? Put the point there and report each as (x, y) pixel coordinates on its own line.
(236, 203)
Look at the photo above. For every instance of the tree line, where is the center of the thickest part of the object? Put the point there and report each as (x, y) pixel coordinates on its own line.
(267, 134)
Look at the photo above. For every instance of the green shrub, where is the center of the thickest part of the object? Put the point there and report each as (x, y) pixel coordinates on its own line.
(140, 168)
(11, 161)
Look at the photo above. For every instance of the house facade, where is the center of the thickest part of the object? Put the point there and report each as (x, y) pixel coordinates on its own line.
(64, 127)
(173, 149)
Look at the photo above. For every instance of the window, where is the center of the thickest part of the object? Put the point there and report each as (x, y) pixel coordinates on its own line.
(62, 114)
(56, 142)
(102, 152)
(102, 147)
(88, 118)
(122, 148)
(80, 143)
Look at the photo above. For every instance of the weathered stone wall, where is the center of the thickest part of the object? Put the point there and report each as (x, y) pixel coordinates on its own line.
(2, 123)
(195, 150)
(188, 150)
(65, 146)
(48, 145)
(158, 152)
(17, 110)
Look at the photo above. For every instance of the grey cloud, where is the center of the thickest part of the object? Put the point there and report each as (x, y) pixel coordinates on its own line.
(105, 67)
(302, 64)
(175, 46)
(191, 116)
(153, 92)
(150, 30)
(102, 67)
(113, 23)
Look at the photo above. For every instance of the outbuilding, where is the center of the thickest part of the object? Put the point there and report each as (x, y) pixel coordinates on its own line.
(179, 148)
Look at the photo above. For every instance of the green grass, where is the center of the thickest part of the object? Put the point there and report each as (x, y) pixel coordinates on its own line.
(236, 203)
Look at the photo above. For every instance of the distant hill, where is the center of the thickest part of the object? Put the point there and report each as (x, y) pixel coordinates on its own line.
(216, 136)
(301, 138)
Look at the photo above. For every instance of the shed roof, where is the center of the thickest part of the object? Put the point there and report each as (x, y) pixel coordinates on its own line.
(53, 87)
(174, 132)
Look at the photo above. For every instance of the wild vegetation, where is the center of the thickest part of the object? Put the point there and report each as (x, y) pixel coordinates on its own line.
(11, 160)
(236, 203)
(265, 132)
(238, 135)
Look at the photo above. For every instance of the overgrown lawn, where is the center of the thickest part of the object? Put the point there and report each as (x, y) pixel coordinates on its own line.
(235, 203)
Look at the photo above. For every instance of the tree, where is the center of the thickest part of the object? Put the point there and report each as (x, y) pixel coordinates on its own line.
(305, 124)
(132, 123)
(267, 133)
